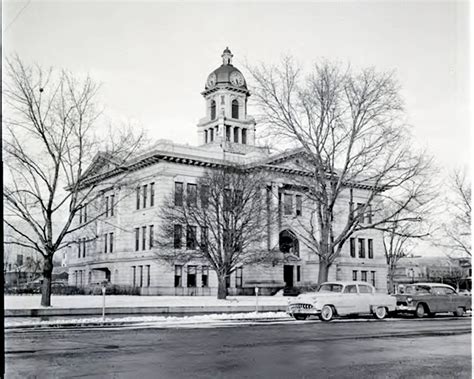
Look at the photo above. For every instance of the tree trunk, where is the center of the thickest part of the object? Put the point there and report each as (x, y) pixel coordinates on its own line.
(391, 285)
(221, 287)
(323, 271)
(47, 276)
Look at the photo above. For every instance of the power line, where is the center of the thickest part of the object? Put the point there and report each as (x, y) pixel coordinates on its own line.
(17, 15)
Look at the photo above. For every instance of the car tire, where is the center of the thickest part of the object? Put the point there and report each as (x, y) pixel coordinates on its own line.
(459, 312)
(380, 313)
(300, 317)
(420, 311)
(327, 313)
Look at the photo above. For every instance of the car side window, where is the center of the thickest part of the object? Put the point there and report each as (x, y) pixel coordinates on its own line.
(350, 289)
(364, 289)
(450, 291)
(439, 291)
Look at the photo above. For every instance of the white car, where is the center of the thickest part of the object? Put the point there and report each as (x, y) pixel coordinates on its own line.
(342, 299)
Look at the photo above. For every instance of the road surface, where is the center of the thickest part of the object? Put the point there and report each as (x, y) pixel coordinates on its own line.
(406, 348)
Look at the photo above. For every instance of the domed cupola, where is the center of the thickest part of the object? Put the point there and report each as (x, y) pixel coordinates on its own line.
(226, 74)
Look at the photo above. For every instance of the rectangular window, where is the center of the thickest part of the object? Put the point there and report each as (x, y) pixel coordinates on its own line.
(83, 248)
(191, 276)
(105, 243)
(79, 248)
(238, 277)
(204, 237)
(19, 260)
(178, 271)
(151, 236)
(137, 239)
(236, 135)
(152, 194)
(138, 198)
(288, 204)
(354, 275)
(191, 193)
(351, 209)
(205, 196)
(211, 134)
(106, 206)
(368, 214)
(178, 194)
(353, 247)
(205, 276)
(298, 273)
(140, 272)
(112, 204)
(143, 237)
(178, 231)
(148, 275)
(361, 248)
(191, 237)
(363, 276)
(227, 132)
(145, 193)
(205, 136)
(299, 205)
(85, 213)
(134, 276)
(111, 242)
(360, 213)
(372, 277)
(227, 199)
(370, 247)
(244, 136)
(238, 198)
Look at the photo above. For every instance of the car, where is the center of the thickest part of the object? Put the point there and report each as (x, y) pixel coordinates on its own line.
(340, 298)
(422, 299)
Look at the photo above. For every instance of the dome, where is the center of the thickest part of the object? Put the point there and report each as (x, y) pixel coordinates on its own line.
(226, 73)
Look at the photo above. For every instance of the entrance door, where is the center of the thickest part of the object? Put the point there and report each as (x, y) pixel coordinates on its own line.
(288, 275)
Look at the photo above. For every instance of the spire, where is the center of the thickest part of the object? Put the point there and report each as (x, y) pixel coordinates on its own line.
(227, 57)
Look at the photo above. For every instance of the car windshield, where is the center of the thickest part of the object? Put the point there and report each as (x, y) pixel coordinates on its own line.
(330, 287)
(417, 290)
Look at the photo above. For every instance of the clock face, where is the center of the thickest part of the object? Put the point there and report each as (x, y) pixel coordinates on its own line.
(211, 80)
(237, 79)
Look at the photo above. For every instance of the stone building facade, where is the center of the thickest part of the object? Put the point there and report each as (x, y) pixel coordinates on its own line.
(123, 247)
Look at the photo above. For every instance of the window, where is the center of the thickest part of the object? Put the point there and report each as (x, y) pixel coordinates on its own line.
(235, 109)
(298, 273)
(288, 203)
(351, 209)
(368, 214)
(211, 134)
(106, 206)
(204, 234)
(150, 235)
(83, 248)
(143, 237)
(178, 271)
(83, 214)
(359, 212)
(152, 194)
(370, 248)
(112, 204)
(236, 135)
(79, 248)
(148, 275)
(138, 198)
(204, 196)
(364, 289)
(361, 248)
(351, 288)
(19, 260)
(191, 190)
(178, 231)
(244, 136)
(191, 237)
(213, 111)
(238, 198)
(353, 247)
(299, 205)
(238, 277)
(178, 194)
(227, 199)
(354, 275)
(111, 242)
(205, 136)
(140, 276)
(145, 192)
(372, 277)
(363, 276)
(191, 276)
(228, 130)
(205, 276)
(137, 239)
(134, 276)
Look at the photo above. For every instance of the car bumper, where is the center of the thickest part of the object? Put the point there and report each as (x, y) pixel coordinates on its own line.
(295, 309)
(406, 308)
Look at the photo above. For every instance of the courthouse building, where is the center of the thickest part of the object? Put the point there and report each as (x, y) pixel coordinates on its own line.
(124, 250)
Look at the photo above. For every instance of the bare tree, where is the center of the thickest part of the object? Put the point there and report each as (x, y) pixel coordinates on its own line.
(51, 137)
(349, 126)
(228, 206)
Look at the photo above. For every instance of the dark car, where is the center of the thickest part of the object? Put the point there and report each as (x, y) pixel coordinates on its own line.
(431, 298)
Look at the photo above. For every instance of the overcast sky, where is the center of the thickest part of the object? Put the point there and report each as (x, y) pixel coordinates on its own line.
(153, 58)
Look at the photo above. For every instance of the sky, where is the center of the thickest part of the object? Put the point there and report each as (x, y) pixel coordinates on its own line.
(152, 58)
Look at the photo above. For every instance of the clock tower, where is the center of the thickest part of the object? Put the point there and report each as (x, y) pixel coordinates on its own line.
(226, 123)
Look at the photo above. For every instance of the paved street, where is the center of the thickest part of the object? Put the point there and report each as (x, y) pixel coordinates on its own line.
(352, 348)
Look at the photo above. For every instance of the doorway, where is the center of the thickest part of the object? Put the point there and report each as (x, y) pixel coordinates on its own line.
(288, 275)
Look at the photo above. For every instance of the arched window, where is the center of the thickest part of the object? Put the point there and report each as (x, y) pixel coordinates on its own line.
(288, 243)
(213, 110)
(235, 109)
